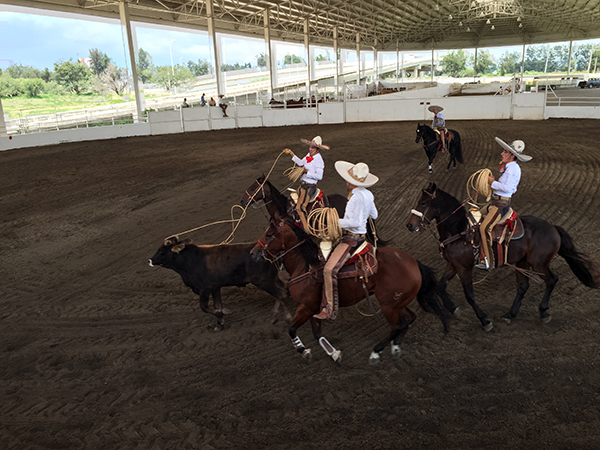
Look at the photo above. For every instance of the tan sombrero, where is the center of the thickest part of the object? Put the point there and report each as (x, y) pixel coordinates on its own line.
(316, 142)
(356, 174)
(432, 107)
(516, 148)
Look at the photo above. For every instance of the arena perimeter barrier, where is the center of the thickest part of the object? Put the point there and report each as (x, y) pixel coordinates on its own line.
(391, 107)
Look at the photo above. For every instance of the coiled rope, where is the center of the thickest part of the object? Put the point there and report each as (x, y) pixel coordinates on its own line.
(294, 173)
(324, 223)
(478, 185)
(235, 223)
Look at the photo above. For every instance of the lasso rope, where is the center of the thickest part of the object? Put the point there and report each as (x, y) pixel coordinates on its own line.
(294, 173)
(478, 185)
(324, 223)
(235, 223)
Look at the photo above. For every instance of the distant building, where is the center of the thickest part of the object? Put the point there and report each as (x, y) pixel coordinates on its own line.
(86, 61)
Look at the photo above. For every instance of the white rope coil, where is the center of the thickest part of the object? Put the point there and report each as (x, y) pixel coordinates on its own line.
(324, 223)
(294, 173)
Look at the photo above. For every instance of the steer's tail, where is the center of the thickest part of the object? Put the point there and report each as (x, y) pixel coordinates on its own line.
(581, 266)
(428, 293)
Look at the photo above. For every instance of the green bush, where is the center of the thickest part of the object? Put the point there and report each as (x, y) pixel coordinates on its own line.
(33, 87)
(9, 87)
(53, 88)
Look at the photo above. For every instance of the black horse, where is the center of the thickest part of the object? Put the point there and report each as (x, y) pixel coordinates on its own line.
(535, 250)
(432, 144)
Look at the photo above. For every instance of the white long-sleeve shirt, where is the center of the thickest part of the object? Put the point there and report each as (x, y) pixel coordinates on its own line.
(438, 121)
(507, 184)
(359, 208)
(314, 167)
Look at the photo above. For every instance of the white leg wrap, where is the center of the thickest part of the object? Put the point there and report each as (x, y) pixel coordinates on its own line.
(395, 351)
(374, 358)
(297, 342)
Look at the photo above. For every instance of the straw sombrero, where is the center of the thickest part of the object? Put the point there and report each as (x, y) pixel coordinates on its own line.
(356, 174)
(432, 107)
(316, 142)
(516, 148)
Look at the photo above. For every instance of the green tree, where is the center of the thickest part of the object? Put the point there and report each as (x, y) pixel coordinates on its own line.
(455, 63)
(74, 76)
(10, 87)
(20, 71)
(46, 75)
(261, 60)
(323, 57)
(202, 67)
(100, 61)
(236, 66)
(485, 62)
(115, 79)
(509, 63)
(145, 68)
(292, 59)
(165, 78)
(33, 87)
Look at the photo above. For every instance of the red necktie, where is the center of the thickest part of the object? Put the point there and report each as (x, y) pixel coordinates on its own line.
(502, 168)
(309, 159)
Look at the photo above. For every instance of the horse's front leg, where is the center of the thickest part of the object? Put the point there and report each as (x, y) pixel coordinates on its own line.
(449, 273)
(466, 277)
(430, 155)
(405, 318)
(303, 314)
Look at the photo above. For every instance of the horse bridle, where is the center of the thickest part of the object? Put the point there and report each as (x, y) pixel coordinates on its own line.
(265, 247)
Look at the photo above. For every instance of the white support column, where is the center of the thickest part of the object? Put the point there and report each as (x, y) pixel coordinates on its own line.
(357, 59)
(212, 36)
(403, 68)
(272, 73)
(308, 64)
(126, 23)
(432, 69)
(569, 60)
(337, 60)
(397, 61)
(376, 61)
(475, 65)
(2, 123)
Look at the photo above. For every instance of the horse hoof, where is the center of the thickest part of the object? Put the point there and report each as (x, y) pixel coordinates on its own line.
(217, 327)
(396, 351)
(337, 356)
(430, 170)
(307, 354)
(374, 358)
(457, 312)
(487, 328)
(226, 311)
(547, 319)
(507, 319)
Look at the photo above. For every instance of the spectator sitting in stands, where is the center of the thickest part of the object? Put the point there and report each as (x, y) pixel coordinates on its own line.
(223, 105)
(185, 104)
(212, 102)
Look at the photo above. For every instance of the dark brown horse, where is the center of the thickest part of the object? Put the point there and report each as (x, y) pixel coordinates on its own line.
(432, 144)
(535, 250)
(399, 280)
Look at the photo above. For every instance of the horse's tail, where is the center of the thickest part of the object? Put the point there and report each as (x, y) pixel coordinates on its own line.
(581, 266)
(457, 147)
(428, 293)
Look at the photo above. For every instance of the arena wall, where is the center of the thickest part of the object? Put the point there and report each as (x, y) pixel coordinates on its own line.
(391, 107)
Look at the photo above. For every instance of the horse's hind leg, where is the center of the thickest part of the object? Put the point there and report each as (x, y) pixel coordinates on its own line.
(551, 280)
(522, 286)
(302, 316)
(406, 317)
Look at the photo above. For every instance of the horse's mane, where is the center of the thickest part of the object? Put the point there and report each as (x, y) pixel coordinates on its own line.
(309, 249)
(277, 197)
(453, 215)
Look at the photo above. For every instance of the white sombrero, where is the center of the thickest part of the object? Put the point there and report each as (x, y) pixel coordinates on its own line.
(356, 174)
(316, 142)
(516, 148)
(432, 107)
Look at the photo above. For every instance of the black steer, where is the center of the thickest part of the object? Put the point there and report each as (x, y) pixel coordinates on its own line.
(207, 268)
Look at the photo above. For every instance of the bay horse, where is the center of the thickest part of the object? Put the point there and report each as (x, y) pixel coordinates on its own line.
(432, 144)
(278, 205)
(535, 250)
(399, 280)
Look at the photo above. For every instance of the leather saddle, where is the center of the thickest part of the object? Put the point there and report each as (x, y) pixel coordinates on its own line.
(362, 263)
(509, 227)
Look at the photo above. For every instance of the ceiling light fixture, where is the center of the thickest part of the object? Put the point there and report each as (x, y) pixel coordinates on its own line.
(450, 17)
(493, 27)
(519, 19)
(437, 7)
(468, 29)
(520, 25)
(460, 24)
(487, 22)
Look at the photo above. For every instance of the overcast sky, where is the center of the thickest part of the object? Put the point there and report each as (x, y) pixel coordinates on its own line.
(39, 38)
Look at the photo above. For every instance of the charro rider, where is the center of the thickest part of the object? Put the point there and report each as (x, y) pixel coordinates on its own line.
(503, 189)
(359, 208)
(313, 173)
(439, 123)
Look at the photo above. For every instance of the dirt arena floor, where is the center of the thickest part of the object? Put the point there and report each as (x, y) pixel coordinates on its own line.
(100, 351)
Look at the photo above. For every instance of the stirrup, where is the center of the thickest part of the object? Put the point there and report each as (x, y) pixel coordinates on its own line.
(485, 265)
